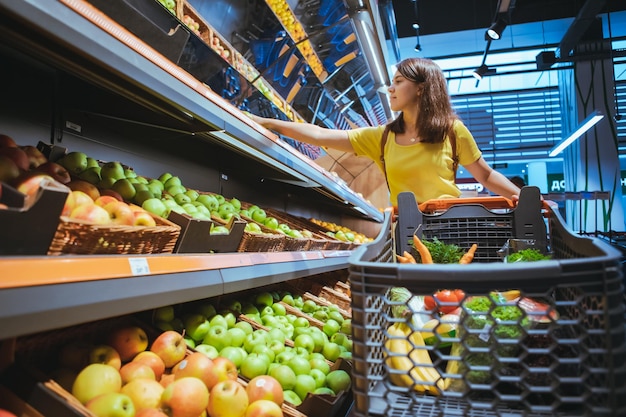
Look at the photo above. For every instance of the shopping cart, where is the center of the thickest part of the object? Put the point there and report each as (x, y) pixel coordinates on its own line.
(565, 358)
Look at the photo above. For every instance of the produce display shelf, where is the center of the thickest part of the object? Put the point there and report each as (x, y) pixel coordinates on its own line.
(63, 291)
(101, 41)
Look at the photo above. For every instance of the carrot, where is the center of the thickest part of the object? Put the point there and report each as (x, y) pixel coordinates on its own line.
(469, 255)
(425, 254)
(409, 257)
(402, 259)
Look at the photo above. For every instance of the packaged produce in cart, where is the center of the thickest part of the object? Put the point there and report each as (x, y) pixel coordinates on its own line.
(442, 334)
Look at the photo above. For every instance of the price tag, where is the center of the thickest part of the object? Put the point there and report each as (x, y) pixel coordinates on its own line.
(139, 266)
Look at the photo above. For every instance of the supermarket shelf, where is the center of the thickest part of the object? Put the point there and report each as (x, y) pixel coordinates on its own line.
(44, 293)
(166, 83)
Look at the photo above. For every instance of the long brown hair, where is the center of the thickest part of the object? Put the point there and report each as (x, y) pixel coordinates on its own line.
(436, 115)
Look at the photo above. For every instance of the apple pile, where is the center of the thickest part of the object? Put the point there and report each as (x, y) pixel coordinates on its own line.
(125, 377)
(192, 24)
(105, 210)
(269, 341)
(342, 233)
(169, 5)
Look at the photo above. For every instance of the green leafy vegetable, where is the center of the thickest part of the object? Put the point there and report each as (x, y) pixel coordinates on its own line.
(442, 253)
(527, 255)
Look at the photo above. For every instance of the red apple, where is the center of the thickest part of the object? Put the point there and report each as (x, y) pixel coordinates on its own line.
(120, 213)
(103, 200)
(18, 156)
(105, 354)
(228, 399)
(35, 156)
(150, 412)
(153, 360)
(75, 199)
(136, 370)
(170, 346)
(166, 379)
(185, 397)
(8, 170)
(129, 340)
(7, 141)
(86, 187)
(145, 393)
(197, 365)
(143, 218)
(56, 171)
(223, 370)
(108, 191)
(90, 213)
(265, 387)
(28, 183)
(264, 408)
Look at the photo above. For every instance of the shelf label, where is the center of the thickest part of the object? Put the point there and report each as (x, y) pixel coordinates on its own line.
(139, 266)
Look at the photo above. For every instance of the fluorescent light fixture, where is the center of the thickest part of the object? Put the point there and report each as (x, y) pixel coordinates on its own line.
(584, 126)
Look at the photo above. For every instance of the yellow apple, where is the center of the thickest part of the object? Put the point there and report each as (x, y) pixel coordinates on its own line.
(145, 393)
(112, 404)
(228, 399)
(153, 360)
(105, 354)
(96, 379)
(136, 370)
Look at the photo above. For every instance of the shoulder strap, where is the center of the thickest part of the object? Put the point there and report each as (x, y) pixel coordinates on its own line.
(382, 152)
(455, 157)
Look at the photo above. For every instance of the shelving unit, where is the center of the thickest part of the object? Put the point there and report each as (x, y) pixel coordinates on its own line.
(41, 293)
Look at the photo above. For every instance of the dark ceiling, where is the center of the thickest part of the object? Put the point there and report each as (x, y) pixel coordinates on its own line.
(442, 16)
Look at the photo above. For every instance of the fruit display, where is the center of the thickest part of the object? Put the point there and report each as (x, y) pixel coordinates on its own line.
(342, 233)
(269, 334)
(169, 5)
(293, 26)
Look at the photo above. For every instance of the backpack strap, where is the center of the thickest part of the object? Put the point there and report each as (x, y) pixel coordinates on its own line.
(382, 153)
(455, 157)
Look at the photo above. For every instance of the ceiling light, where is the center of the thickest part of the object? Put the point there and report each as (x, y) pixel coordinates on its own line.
(480, 72)
(584, 126)
(495, 30)
(416, 26)
(418, 47)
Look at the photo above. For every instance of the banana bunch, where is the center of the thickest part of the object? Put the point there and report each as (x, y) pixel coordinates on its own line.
(415, 363)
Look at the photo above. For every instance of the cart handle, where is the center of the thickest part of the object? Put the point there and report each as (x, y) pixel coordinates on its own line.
(495, 202)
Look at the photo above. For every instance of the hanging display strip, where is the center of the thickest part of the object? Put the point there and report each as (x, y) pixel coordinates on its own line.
(295, 29)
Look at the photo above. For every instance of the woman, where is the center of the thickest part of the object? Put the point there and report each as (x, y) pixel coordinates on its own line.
(418, 154)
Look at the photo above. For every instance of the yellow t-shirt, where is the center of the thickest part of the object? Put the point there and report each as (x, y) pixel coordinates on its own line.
(423, 168)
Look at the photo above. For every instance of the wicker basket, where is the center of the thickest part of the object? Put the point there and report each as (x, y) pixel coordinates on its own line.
(269, 241)
(316, 242)
(76, 237)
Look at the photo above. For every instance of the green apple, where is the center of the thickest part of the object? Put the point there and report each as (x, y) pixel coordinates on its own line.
(296, 234)
(284, 228)
(155, 186)
(253, 228)
(288, 299)
(236, 203)
(182, 198)
(319, 364)
(91, 175)
(245, 326)
(249, 308)
(175, 189)
(291, 397)
(277, 347)
(339, 338)
(172, 181)
(301, 322)
(142, 180)
(277, 334)
(319, 339)
(164, 177)
(106, 183)
(230, 317)
(323, 391)
(285, 356)
(245, 213)
(125, 188)
(300, 363)
(267, 311)
(217, 337)
(112, 404)
(254, 364)
(305, 341)
(319, 377)
(190, 342)
(94, 380)
(284, 375)
(141, 196)
(165, 313)
(310, 306)
(130, 173)
(192, 194)
(320, 315)
(220, 199)
(189, 208)
(208, 350)
(270, 223)
(338, 380)
(234, 306)
(114, 170)
(265, 350)
(257, 337)
(196, 326)
(75, 162)
(219, 230)
(335, 315)
(259, 216)
(235, 354)
(304, 384)
(264, 299)
(209, 201)
(237, 336)
(156, 206)
(225, 208)
(331, 327)
(92, 162)
(207, 309)
(279, 309)
(219, 320)
(331, 351)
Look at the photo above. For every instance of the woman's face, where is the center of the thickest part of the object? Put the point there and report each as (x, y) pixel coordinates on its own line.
(403, 93)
